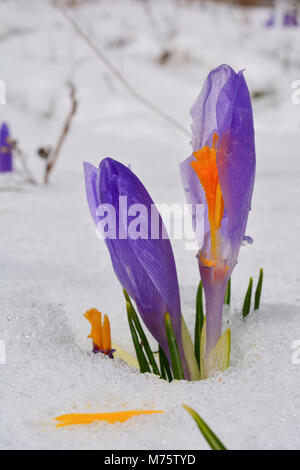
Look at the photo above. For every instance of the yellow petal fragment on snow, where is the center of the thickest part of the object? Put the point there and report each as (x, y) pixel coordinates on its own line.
(125, 356)
(88, 418)
(188, 348)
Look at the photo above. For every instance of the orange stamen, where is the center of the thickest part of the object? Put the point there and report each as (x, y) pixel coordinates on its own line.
(206, 168)
(207, 262)
(86, 418)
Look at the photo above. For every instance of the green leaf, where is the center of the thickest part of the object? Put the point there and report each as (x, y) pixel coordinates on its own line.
(143, 363)
(166, 372)
(218, 359)
(258, 290)
(247, 301)
(142, 336)
(228, 293)
(162, 367)
(199, 322)
(174, 351)
(127, 298)
(212, 440)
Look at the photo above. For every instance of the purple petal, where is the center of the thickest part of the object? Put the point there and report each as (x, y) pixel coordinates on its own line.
(204, 110)
(205, 124)
(194, 195)
(224, 107)
(145, 267)
(6, 163)
(236, 156)
(90, 173)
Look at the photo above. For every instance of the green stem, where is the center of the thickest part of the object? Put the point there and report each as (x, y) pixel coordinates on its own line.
(247, 301)
(173, 348)
(143, 363)
(258, 290)
(166, 372)
(199, 322)
(228, 293)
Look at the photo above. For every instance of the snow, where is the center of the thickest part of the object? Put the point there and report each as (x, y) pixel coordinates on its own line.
(54, 268)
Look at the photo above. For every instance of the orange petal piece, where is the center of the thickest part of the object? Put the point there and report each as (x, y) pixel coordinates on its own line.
(88, 418)
(106, 334)
(95, 319)
(100, 334)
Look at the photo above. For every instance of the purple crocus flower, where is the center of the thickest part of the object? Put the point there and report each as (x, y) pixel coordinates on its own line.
(290, 19)
(144, 266)
(220, 174)
(6, 164)
(271, 21)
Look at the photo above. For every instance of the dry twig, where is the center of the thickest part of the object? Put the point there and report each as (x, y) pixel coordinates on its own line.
(116, 72)
(54, 155)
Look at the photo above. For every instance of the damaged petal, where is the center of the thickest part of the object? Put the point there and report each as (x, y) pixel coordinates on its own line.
(100, 333)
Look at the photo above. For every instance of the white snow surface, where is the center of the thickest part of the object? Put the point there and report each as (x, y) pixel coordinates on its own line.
(53, 267)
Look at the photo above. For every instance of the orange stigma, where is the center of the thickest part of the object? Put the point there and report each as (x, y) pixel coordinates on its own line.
(100, 333)
(206, 169)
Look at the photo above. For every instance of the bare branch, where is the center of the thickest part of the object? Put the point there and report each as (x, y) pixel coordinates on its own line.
(54, 155)
(155, 109)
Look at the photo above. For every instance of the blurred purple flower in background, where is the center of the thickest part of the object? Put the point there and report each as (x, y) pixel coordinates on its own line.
(271, 21)
(220, 174)
(145, 267)
(6, 157)
(290, 19)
